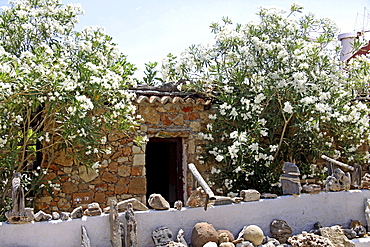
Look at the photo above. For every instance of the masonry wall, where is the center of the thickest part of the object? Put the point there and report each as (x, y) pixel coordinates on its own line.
(121, 174)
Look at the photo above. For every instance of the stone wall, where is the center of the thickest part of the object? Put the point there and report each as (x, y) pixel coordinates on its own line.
(121, 174)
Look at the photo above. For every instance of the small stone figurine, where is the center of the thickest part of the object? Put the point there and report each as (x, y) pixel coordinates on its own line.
(19, 213)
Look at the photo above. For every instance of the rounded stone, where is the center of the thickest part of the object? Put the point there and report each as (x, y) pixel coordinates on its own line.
(253, 234)
(203, 233)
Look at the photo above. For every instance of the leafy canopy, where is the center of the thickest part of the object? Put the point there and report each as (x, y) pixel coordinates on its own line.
(280, 94)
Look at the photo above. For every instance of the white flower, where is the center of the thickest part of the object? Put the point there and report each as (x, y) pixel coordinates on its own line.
(219, 158)
(288, 108)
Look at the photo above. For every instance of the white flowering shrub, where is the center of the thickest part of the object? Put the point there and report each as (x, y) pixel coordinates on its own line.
(280, 94)
(59, 89)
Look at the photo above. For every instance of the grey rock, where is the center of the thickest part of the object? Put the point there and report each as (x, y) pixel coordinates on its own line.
(77, 213)
(338, 181)
(65, 216)
(290, 181)
(55, 215)
(311, 188)
(42, 216)
(349, 233)
(162, 236)
(269, 196)
(250, 195)
(180, 237)
(291, 169)
(122, 205)
(157, 202)
(280, 230)
(336, 236)
(360, 231)
(244, 244)
(93, 209)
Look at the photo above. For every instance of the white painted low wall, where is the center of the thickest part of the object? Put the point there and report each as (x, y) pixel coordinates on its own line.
(300, 212)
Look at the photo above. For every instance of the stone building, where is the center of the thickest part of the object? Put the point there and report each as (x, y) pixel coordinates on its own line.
(172, 121)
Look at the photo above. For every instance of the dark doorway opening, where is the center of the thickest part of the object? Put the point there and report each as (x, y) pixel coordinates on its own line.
(164, 168)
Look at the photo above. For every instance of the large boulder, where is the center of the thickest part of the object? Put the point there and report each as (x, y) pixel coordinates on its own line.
(203, 233)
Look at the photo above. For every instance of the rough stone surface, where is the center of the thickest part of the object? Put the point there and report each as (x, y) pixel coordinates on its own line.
(210, 244)
(122, 205)
(55, 215)
(367, 213)
(93, 209)
(253, 234)
(338, 181)
(269, 196)
(311, 188)
(197, 198)
(228, 234)
(65, 216)
(280, 230)
(309, 239)
(162, 236)
(244, 244)
(224, 241)
(157, 201)
(290, 181)
(336, 236)
(42, 216)
(87, 174)
(180, 237)
(175, 244)
(250, 195)
(77, 213)
(203, 233)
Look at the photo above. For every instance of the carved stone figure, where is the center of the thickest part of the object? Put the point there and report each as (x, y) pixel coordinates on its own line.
(280, 230)
(130, 227)
(180, 237)
(19, 214)
(162, 236)
(223, 240)
(158, 202)
(338, 181)
(290, 181)
(178, 205)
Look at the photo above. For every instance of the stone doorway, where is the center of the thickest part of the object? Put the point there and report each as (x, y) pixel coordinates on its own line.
(164, 168)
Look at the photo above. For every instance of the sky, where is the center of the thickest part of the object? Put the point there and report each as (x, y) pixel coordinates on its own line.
(147, 30)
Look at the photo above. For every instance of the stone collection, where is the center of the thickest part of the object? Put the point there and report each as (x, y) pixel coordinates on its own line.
(338, 181)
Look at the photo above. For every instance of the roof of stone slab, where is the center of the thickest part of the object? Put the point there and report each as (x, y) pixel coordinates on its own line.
(168, 93)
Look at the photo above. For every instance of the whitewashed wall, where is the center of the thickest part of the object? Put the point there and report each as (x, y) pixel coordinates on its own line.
(299, 212)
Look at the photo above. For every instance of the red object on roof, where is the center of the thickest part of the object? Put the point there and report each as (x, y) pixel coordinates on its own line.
(363, 51)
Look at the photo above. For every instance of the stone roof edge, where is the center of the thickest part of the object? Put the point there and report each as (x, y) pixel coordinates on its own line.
(171, 100)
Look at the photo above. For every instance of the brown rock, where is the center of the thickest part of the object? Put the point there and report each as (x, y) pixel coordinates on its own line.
(109, 177)
(87, 174)
(124, 171)
(82, 187)
(136, 171)
(203, 233)
(64, 204)
(69, 187)
(111, 187)
(101, 187)
(123, 181)
(126, 151)
(99, 197)
(137, 185)
(113, 167)
(228, 234)
(63, 158)
(120, 189)
(149, 114)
